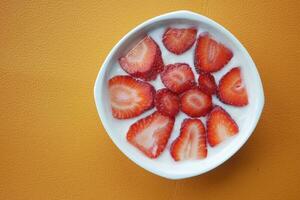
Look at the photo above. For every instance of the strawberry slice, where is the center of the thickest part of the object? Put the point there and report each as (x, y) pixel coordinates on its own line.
(151, 134)
(143, 60)
(129, 97)
(196, 103)
(178, 77)
(178, 40)
(210, 56)
(220, 126)
(191, 143)
(166, 102)
(231, 88)
(207, 83)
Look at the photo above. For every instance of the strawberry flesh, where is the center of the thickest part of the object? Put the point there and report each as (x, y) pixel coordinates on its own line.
(178, 77)
(196, 103)
(191, 143)
(210, 56)
(220, 126)
(232, 90)
(178, 40)
(143, 60)
(130, 97)
(207, 83)
(151, 134)
(166, 102)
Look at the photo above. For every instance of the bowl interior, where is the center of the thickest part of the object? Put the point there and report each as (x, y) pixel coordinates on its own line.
(246, 117)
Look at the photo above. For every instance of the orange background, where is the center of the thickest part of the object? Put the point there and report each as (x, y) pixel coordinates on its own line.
(52, 143)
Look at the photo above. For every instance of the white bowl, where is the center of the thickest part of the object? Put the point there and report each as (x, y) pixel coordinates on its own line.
(246, 117)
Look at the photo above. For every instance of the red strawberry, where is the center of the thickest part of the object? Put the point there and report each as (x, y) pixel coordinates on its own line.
(129, 97)
(207, 83)
(220, 126)
(210, 56)
(151, 134)
(143, 60)
(191, 143)
(195, 103)
(232, 90)
(178, 77)
(166, 102)
(179, 40)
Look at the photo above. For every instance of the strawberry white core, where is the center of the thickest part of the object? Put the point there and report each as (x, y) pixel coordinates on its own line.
(124, 97)
(222, 131)
(148, 137)
(189, 148)
(137, 53)
(213, 51)
(195, 100)
(177, 76)
(141, 57)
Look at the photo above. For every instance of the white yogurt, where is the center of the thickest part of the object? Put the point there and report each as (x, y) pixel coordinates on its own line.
(239, 114)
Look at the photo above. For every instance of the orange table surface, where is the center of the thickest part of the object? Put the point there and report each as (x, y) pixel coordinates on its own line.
(52, 143)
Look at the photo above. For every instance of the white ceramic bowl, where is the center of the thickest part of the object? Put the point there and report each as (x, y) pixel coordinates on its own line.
(246, 117)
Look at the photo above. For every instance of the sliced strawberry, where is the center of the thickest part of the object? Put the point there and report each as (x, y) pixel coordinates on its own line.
(195, 103)
(178, 77)
(191, 143)
(210, 56)
(166, 102)
(231, 88)
(207, 83)
(129, 97)
(151, 134)
(220, 126)
(179, 40)
(143, 60)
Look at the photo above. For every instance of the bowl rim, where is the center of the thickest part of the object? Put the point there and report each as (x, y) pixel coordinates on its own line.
(184, 14)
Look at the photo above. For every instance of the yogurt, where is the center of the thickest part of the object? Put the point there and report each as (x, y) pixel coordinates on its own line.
(239, 114)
